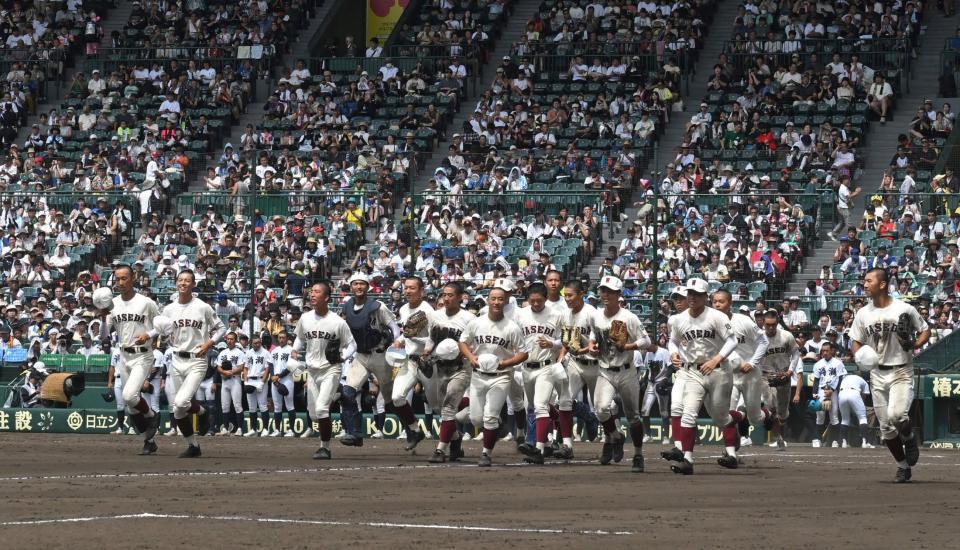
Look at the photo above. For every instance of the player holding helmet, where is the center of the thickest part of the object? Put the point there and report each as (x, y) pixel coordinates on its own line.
(192, 328)
(582, 367)
(884, 333)
(415, 318)
(781, 364)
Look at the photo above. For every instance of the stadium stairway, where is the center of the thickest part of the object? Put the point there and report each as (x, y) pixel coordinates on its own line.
(720, 33)
(882, 139)
(254, 112)
(115, 18)
(523, 10)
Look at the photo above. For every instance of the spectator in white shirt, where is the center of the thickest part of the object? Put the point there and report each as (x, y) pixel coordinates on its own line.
(879, 96)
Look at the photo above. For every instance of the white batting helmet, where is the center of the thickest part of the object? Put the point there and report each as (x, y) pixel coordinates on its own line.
(295, 366)
(866, 357)
(447, 350)
(164, 325)
(103, 298)
(395, 356)
(488, 362)
(734, 360)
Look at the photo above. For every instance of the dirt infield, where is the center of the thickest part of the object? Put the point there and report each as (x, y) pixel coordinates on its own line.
(74, 491)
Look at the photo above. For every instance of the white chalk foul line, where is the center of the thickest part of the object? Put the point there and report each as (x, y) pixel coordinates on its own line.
(229, 473)
(325, 523)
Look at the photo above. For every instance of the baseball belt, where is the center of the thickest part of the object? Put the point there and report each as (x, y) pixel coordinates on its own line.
(534, 365)
(692, 365)
(618, 369)
(891, 367)
(492, 374)
(185, 355)
(136, 349)
(584, 361)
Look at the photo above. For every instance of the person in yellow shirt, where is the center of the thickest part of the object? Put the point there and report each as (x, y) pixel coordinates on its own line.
(354, 214)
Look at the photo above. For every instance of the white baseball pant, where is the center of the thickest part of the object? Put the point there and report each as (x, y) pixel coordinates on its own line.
(187, 376)
(406, 380)
(365, 364)
(777, 399)
(285, 400)
(650, 397)
(579, 374)
(712, 391)
(851, 406)
(748, 387)
(609, 383)
(515, 402)
(892, 392)
(322, 383)
(256, 401)
(231, 391)
(451, 388)
(834, 410)
(539, 386)
(676, 394)
(488, 393)
(205, 391)
(118, 393)
(153, 398)
(135, 368)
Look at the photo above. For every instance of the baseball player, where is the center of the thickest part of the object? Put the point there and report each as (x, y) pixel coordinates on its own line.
(230, 365)
(115, 385)
(416, 342)
(701, 339)
(256, 372)
(553, 282)
(582, 368)
(850, 391)
(892, 329)
(166, 384)
(131, 316)
(195, 328)
(326, 340)
(493, 344)
(452, 375)
(543, 372)
(679, 296)
(747, 380)
(659, 373)
(282, 378)
(373, 328)
(826, 373)
(617, 334)
(781, 364)
(515, 402)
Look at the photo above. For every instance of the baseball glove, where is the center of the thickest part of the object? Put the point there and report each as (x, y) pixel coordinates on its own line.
(332, 353)
(825, 405)
(108, 396)
(618, 334)
(779, 379)
(571, 338)
(905, 332)
(426, 365)
(415, 324)
(663, 388)
(281, 389)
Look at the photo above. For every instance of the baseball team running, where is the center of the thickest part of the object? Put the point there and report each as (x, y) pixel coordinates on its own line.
(541, 355)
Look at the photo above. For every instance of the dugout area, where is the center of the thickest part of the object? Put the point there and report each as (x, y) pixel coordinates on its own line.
(92, 491)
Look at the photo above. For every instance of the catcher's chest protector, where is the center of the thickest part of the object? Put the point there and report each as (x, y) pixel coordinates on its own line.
(360, 323)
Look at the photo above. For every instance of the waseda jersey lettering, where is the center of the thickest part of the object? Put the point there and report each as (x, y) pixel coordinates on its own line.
(491, 339)
(533, 330)
(691, 335)
(319, 334)
(880, 328)
(188, 323)
(128, 318)
(774, 351)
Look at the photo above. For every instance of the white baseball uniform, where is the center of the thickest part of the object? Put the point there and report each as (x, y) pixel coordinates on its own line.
(373, 363)
(828, 373)
(279, 357)
(258, 367)
(697, 340)
(582, 368)
(542, 374)
(451, 384)
(193, 324)
(488, 390)
(116, 361)
(850, 394)
(617, 373)
(130, 319)
(416, 346)
(313, 333)
(891, 382)
(782, 355)
(751, 346)
(231, 388)
(657, 364)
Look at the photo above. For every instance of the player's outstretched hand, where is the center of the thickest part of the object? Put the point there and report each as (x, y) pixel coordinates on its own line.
(141, 339)
(746, 367)
(708, 367)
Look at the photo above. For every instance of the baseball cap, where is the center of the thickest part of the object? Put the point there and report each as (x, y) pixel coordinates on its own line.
(679, 291)
(697, 285)
(611, 283)
(744, 309)
(504, 284)
(362, 277)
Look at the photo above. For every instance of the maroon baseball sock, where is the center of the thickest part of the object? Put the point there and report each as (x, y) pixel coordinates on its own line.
(688, 439)
(447, 429)
(543, 428)
(675, 428)
(609, 425)
(730, 435)
(142, 407)
(636, 434)
(405, 413)
(325, 427)
(464, 403)
(555, 416)
(185, 425)
(139, 421)
(521, 418)
(737, 416)
(489, 438)
(566, 423)
(194, 406)
(896, 448)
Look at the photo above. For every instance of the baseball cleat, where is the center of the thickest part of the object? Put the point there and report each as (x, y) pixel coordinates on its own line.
(728, 461)
(866, 445)
(149, 447)
(150, 433)
(484, 461)
(685, 468)
(118, 431)
(427, 435)
(745, 441)
(170, 433)
(438, 457)
(767, 419)
(845, 445)
(191, 451)
(264, 432)
(550, 450)
(351, 440)
(274, 433)
(673, 455)
(815, 443)
(835, 445)
(647, 438)
(223, 431)
(377, 434)
(526, 449)
(132, 431)
(903, 475)
(289, 433)
(637, 467)
(912, 449)
(251, 433)
(606, 453)
(413, 439)
(307, 433)
(666, 441)
(565, 453)
(322, 453)
(456, 450)
(466, 437)
(535, 458)
(618, 441)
